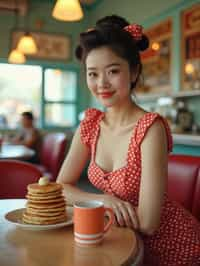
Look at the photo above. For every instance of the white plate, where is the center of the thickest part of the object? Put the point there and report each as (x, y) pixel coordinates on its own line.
(15, 217)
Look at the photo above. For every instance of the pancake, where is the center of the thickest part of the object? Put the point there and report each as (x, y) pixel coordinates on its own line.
(55, 212)
(40, 220)
(58, 199)
(38, 189)
(45, 203)
(50, 195)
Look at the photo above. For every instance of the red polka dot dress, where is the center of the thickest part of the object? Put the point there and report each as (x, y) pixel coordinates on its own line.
(177, 241)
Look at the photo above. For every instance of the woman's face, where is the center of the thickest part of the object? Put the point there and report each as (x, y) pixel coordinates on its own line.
(108, 76)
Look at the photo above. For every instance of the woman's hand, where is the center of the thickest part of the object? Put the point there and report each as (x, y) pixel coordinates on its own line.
(125, 214)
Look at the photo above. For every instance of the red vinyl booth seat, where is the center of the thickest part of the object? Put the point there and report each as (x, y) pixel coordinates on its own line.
(196, 200)
(52, 154)
(15, 177)
(184, 182)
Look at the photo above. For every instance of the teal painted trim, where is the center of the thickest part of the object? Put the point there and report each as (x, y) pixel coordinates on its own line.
(61, 102)
(4, 61)
(42, 117)
(185, 149)
(176, 58)
(66, 66)
(62, 66)
(169, 12)
(77, 94)
(61, 129)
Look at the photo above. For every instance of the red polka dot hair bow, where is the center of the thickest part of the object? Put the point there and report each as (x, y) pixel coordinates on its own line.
(135, 30)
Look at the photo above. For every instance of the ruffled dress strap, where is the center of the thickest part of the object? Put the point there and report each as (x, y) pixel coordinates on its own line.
(89, 125)
(145, 123)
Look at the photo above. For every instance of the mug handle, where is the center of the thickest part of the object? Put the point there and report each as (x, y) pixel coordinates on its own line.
(110, 219)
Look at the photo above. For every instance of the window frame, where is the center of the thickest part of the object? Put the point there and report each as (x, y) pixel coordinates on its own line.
(63, 102)
(43, 102)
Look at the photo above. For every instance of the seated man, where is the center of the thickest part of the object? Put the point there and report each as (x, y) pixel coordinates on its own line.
(29, 136)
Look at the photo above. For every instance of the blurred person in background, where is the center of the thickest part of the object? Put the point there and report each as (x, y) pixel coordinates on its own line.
(29, 135)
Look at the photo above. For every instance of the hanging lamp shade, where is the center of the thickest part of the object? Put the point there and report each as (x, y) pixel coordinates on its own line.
(67, 10)
(27, 44)
(16, 57)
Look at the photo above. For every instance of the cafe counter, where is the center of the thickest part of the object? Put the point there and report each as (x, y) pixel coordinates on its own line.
(186, 144)
(187, 139)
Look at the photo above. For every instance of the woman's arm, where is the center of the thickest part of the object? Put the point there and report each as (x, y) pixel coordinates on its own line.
(154, 158)
(71, 170)
(153, 178)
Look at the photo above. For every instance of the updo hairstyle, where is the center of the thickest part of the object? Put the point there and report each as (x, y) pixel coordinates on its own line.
(109, 31)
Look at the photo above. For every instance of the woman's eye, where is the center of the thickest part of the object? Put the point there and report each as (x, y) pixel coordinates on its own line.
(114, 71)
(92, 74)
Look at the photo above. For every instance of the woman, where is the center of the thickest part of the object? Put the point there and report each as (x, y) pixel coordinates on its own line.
(128, 148)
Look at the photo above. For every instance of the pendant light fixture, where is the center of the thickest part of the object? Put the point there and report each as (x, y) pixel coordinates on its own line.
(15, 56)
(67, 10)
(27, 44)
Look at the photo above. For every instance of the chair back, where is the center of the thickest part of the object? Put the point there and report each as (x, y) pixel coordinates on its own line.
(15, 176)
(53, 152)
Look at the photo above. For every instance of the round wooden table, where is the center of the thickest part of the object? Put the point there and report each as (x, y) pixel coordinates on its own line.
(19, 247)
(11, 151)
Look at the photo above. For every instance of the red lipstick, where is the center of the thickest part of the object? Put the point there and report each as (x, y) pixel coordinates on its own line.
(106, 94)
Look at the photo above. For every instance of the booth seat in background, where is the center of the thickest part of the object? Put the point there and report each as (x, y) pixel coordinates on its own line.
(52, 154)
(15, 176)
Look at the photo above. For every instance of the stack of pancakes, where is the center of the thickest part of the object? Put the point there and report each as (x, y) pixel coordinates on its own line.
(45, 204)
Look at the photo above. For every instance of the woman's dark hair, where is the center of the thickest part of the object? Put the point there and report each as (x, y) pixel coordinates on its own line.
(109, 31)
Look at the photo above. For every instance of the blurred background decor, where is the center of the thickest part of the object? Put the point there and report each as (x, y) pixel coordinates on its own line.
(50, 46)
(157, 59)
(191, 48)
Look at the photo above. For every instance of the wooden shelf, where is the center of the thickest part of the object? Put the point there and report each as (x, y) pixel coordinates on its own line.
(182, 94)
(155, 96)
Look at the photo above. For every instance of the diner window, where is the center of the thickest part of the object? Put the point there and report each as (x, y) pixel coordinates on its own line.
(60, 98)
(20, 90)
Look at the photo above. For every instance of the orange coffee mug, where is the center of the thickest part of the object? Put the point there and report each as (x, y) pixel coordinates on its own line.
(89, 222)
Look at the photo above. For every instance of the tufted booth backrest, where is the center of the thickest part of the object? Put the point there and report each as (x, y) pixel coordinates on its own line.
(53, 152)
(196, 200)
(184, 181)
(15, 176)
